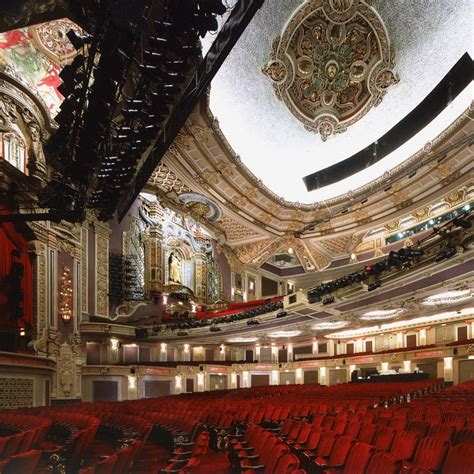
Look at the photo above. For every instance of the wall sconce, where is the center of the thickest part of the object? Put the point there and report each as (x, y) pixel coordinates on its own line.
(132, 382)
(66, 296)
(186, 348)
(163, 347)
(165, 299)
(114, 344)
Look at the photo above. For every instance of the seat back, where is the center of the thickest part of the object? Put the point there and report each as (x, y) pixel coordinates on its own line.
(404, 444)
(317, 420)
(287, 464)
(314, 438)
(384, 463)
(326, 443)
(431, 453)
(304, 433)
(460, 460)
(277, 453)
(352, 429)
(383, 438)
(358, 458)
(366, 434)
(327, 423)
(285, 428)
(340, 450)
(295, 430)
(267, 449)
(23, 463)
(421, 427)
(339, 426)
(441, 431)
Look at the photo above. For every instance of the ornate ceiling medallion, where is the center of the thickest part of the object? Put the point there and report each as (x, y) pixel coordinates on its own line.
(201, 205)
(332, 64)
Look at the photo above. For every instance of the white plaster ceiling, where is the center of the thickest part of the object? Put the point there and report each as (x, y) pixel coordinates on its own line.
(429, 37)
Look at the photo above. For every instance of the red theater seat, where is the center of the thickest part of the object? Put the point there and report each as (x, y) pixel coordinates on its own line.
(384, 463)
(429, 455)
(404, 445)
(22, 463)
(460, 460)
(357, 460)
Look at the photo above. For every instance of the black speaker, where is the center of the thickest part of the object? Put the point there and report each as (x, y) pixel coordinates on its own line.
(201, 368)
(343, 361)
(455, 351)
(132, 370)
(279, 365)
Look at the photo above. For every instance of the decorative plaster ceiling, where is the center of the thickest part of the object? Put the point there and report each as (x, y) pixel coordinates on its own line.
(429, 38)
(35, 56)
(332, 64)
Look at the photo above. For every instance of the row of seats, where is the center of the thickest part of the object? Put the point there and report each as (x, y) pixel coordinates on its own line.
(307, 422)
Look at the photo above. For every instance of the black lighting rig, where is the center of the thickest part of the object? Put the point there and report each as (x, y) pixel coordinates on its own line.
(119, 91)
(452, 235)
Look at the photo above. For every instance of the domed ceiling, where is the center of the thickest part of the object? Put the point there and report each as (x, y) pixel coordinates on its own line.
(285, 126)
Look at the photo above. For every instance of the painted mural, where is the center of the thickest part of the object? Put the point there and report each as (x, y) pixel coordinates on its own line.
(36, 55)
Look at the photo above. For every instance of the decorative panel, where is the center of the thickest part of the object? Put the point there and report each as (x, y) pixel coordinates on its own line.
(16, 392)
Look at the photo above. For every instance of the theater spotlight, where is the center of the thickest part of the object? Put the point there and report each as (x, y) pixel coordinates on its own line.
(373, 286)
(212, 6)
(445, 254)
(78, 41)
(329, 300)
(463, 223)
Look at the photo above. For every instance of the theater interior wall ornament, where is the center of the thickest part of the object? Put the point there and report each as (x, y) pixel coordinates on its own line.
(332, 63)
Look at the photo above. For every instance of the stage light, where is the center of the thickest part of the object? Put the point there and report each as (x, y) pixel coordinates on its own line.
(78, 41)
(445, 254)
(373, 286)
(463, 223)
(212, 6)
(329, 300)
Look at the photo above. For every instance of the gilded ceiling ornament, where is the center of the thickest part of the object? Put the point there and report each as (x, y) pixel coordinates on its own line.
(202, 206)
(250, 193)
(332, 64)
(51, 39)
(210, 176)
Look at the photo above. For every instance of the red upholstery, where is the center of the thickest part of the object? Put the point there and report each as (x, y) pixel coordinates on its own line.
(383, 438)
(287, 464)
(384, 463)
(460, 460)
(405, 444)
(367, 434)
(339, 452)
(430, 454)
(357, 460)
(352, 429)
(22, 463)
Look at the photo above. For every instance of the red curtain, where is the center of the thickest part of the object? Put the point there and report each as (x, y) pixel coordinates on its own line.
(11, 239)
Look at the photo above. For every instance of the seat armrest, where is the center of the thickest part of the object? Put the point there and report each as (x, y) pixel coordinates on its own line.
(255, 468)
(252, 456)
(182, 452)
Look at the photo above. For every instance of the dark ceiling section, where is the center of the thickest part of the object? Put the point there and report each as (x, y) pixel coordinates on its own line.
(457, 79)
(138, 74)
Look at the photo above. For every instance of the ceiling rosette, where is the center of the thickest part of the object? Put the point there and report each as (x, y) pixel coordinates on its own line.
(332, 64)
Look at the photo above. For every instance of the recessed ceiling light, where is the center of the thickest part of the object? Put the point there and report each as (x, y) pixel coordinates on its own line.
(349, 334)
(381, 314)
(280, 334)
(329, 325)
(447, 297)
(237, 340)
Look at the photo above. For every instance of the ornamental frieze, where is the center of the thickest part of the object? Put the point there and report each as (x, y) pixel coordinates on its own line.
(332, 64)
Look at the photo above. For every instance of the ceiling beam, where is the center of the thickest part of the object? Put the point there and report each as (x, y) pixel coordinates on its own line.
(233, 28)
